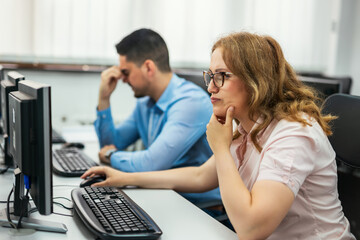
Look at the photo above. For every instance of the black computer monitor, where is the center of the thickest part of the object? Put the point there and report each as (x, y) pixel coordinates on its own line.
(7, 86)
(1, 78)
(325, 87)
(31, 148)
(1, 72)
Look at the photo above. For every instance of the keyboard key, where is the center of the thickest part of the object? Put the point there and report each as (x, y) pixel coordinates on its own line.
(71, 162)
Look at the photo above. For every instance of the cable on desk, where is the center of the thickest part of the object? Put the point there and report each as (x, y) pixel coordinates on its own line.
(62, 198)
(62, 214)
(32, 210)
(8, 209)
(11, 201)
(62, 205)
(63, 185)
(24, 206)
(4, 170)
(58, 203)
(66, 215)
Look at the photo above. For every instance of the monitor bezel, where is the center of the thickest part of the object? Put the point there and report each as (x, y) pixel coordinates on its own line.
(41, 176)
(321, 81)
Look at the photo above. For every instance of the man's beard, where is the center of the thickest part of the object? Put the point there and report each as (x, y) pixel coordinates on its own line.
(139, 94)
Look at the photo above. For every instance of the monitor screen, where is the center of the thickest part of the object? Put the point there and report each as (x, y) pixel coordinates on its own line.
(30, 139)
(1, 78)
(325, 87)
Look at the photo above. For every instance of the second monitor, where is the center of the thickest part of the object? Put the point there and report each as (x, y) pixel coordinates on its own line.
(7, 86)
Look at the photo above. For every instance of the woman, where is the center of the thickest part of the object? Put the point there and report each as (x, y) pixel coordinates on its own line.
(277, 172)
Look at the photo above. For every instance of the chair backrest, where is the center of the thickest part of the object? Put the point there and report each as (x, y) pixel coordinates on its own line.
(195, 76)
(346, 143)
(346, 128)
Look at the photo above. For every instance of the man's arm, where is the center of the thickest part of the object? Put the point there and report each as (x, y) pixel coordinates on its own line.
(186, 123)
(104, 126)
(121, 136)
(109, 80)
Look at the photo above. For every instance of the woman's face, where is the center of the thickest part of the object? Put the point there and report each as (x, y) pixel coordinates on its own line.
(232, 93)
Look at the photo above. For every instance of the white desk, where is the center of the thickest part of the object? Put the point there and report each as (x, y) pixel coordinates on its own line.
(176, 216)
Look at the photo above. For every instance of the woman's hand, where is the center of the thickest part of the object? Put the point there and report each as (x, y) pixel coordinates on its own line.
(219, 135)
(114, 177)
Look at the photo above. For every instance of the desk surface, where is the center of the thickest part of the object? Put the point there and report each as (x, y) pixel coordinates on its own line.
(176, 216)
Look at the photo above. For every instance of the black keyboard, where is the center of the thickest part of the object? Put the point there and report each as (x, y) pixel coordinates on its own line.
(56, 137)
(110, 214)
(71, 162)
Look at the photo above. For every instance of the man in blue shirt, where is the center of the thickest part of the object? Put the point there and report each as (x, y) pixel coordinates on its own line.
(170, 116)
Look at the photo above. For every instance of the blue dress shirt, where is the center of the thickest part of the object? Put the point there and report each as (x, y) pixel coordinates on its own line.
(171, 129)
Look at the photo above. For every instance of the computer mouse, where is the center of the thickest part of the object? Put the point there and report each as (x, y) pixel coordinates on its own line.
(78, 145)
(91, 180)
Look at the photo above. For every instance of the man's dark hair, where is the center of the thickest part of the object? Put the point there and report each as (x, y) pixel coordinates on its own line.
(145, 44)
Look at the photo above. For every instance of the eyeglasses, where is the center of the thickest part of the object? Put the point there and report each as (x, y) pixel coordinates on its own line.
(217, 77)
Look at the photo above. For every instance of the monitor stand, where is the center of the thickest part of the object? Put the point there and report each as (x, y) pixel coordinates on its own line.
(31, 223)
(26, 222)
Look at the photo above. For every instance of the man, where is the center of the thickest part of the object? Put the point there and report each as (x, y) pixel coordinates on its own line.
(170, 116)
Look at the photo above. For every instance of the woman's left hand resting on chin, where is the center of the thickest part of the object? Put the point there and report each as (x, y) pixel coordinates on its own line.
(113, 177)
(219, 135)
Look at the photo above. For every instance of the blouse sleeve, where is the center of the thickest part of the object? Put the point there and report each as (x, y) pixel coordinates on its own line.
(288, 159)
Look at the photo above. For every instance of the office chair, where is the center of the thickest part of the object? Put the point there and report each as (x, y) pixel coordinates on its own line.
(193, 75)
(346, 143)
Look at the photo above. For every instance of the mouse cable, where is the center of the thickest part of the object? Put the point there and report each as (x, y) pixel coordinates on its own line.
(4, 170)
(62, 198)
(62, 214)
(66, 215)
(62, 205)
(24, 203)
(63, 185)
(12, 224)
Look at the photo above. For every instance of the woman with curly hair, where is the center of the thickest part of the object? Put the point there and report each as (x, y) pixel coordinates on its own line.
(277, 171)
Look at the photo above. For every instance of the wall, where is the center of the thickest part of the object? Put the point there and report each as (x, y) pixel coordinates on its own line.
(88, 29)
(68, 30)
(354, 64)
(75, 95)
